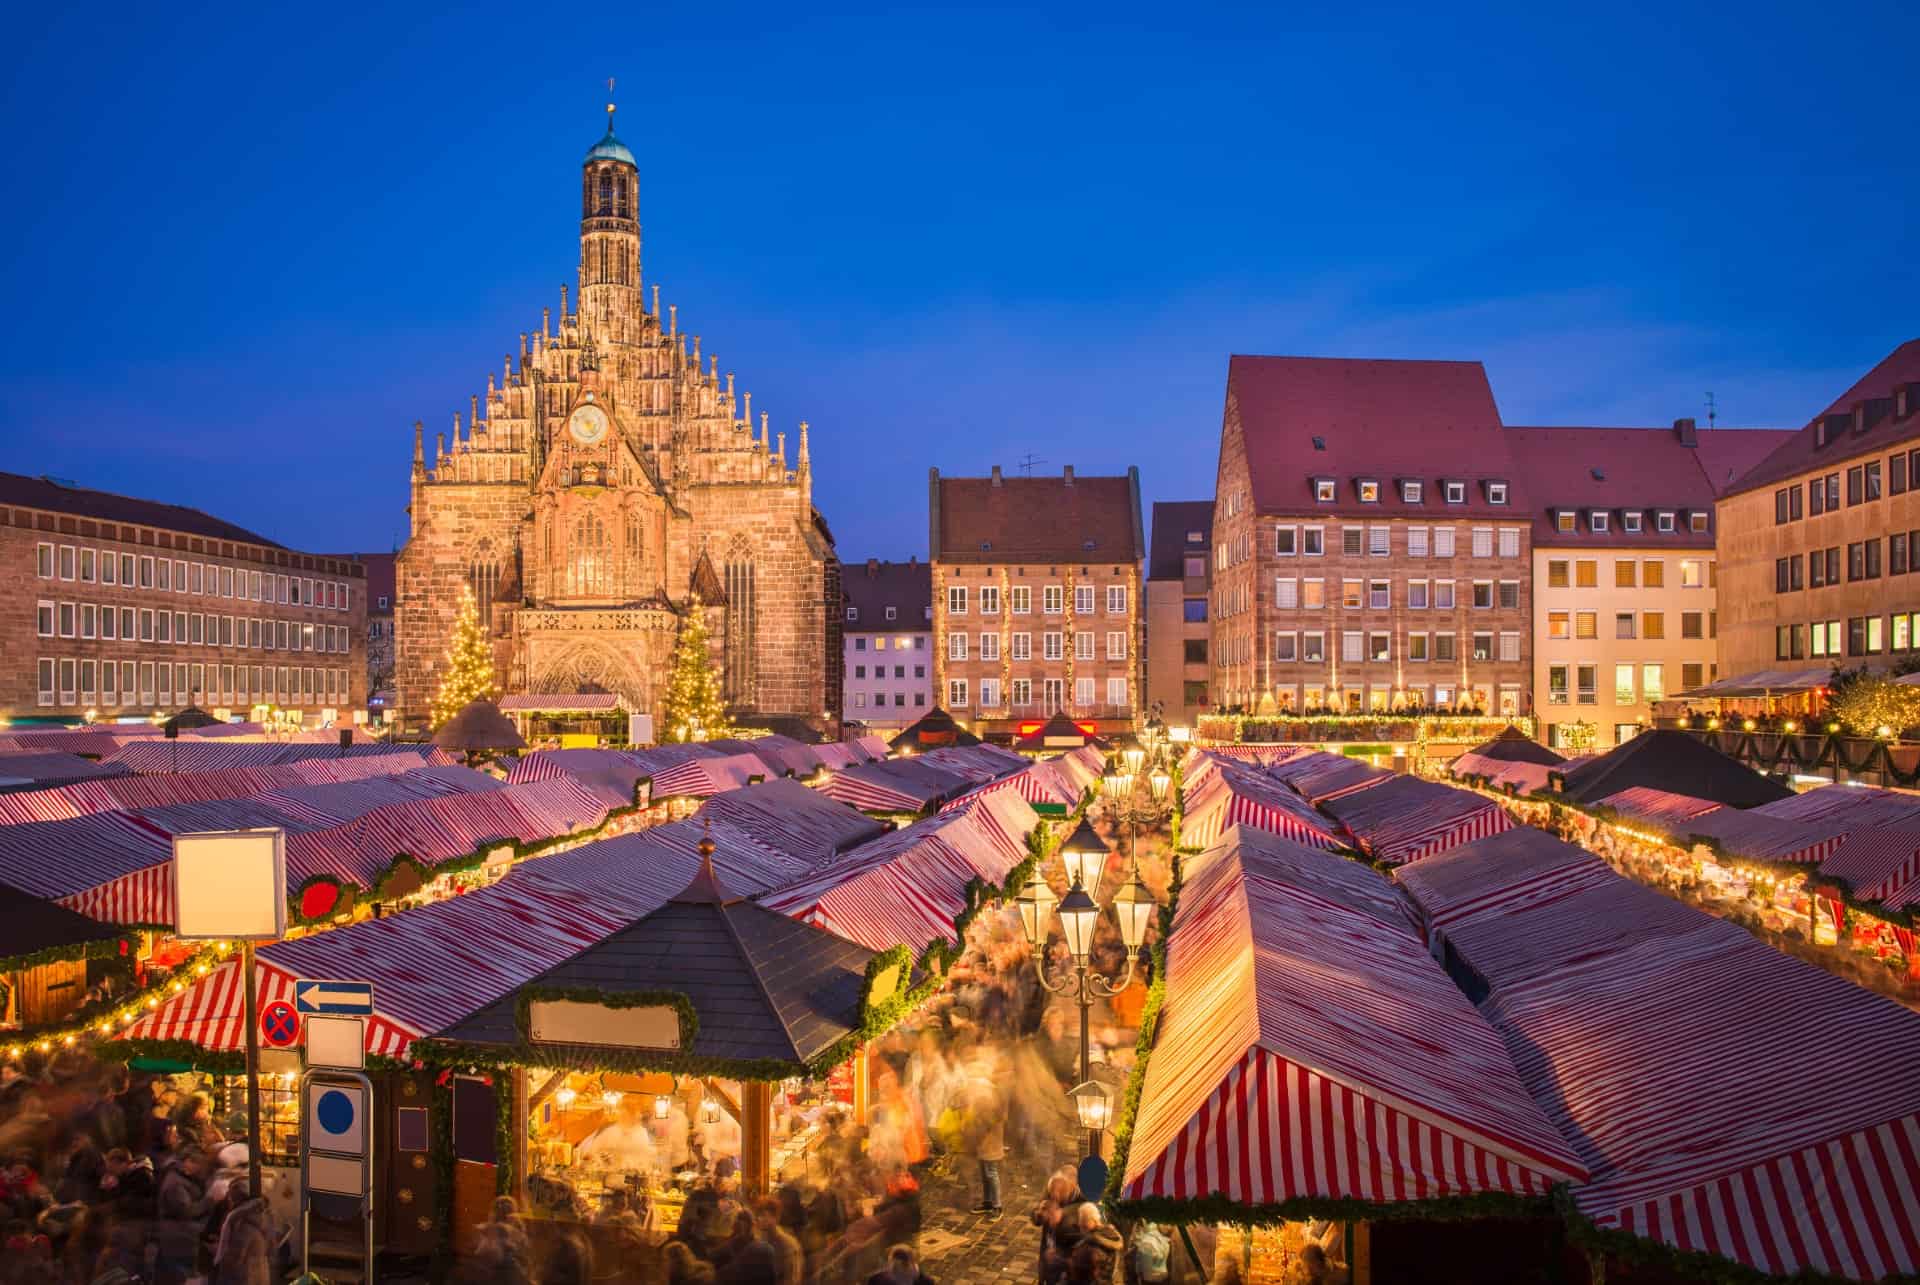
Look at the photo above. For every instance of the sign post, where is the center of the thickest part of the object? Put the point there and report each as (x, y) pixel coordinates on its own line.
(336, 1107)
(231, 885)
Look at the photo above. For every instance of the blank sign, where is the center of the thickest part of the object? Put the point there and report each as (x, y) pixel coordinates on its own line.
(337, 1175)
(230, 885)
(337, 1042)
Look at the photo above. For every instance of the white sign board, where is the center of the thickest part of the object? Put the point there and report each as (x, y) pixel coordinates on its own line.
(230, 885)
(565, 1021)
(640, 729)
(337, 1043)
(336, 1175)
(337, 1118)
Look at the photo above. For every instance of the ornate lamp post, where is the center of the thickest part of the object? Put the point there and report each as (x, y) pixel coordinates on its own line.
(1085, 857)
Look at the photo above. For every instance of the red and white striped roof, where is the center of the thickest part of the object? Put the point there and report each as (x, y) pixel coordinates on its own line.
(702, 778)
(1728, 1098)
(127, 792)
(1310, 1048)
(1230, 795)
(896, 785)
(1861, 805)
(435, 964)
(1408, 819)
(908, 887)
(788, 817)
(977, 763)
(1879, 864)
(1041, 784)
(1659, 807)
(1320, 776)
(206, 754)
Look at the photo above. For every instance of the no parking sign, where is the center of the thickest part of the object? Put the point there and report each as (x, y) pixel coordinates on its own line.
(279, 1025)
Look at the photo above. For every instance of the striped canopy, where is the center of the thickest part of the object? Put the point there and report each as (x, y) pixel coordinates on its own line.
(1320, 776)
(788, 817)
(1746, 834)
(977, 763)
(1859, 804)
(1646, 805)
(1230, 795)
(1310, 1050)
(435, 964)
(780, 755)
(702, 778)
(1408, 819)
(908, 887)
(1042, 784)
(1727, 1098)
(205, 754)
(45, 769)
(1879, 864)
(896, 785)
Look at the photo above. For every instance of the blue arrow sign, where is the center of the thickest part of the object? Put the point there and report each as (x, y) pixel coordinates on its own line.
(333, 997)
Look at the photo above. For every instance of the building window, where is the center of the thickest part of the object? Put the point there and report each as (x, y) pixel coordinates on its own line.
(1117, 692)
(1417, 647)
(1586, 624)
(1653, 574)
(1697, 521)
(1509, 645)
(1082, 599)
(1443, 595)
(1116, 600)
(989, 649)
(1663, 522)
(1455, 492)
(1416, 542)
(1369, 491)
(956, 600)
(1323, 490)
(1559, 625)
(43, 567)
(1630, 521)
(1653, 624)
(1116, 644)
(1379, 595)
(1351, 540)
(1083, 693)
(1483, 542)
(956, 646)
(989, 694)
(1483, 646)
(1623, 684)
(67, 572)
(1443, 647)
(1509, 596)
(1589, 680)
(1692, 574)
(1416, 595)
(1496, 493)
(1051, 645)
(1443, 541)
(1482, 595)
(1557, 573)
(1313, 646)
(1379, 646)
(1193, 610)
(1410, 491)
(1350, 595)
(1020, 600)
(1286, 593)
(1313, 541)
(1509, 542)
(1653, 683)
(1020, 646)
(1195, 650)
(1052, 599)
(1083, 644)
(1379, 541)
(1286, 542)
(1352, 646)
(956, 693)
(1557, 685)
(1597, 521)
(1563, 521)
(1286, 647)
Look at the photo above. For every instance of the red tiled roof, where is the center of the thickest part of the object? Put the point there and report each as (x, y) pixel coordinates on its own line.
(1624, 468)
(1172, 520)
(1799, 454)
(1375, 419)
(58, 497)
(1010, 519)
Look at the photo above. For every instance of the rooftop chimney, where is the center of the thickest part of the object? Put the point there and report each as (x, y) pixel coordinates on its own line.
(1069, 475)
(873, 568)
(1683, 432)
(996, 475)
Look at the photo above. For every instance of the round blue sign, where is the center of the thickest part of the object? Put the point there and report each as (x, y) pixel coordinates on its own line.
(334, 1111)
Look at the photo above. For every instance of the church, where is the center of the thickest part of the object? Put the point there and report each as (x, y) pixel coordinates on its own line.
(609, 481)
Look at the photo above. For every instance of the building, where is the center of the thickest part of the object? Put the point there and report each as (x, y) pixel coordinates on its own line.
(1036, 599)
(1179, 589)
(1370, 540)
(1624, 592)
(1817, 540)
(610, 480)
(131, 607)
(380, 649)
(887, 637)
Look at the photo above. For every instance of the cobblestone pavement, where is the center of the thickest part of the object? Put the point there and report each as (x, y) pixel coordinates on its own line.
(960, 1247)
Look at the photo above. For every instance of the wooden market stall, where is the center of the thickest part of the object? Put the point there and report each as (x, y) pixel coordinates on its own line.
(44, 953)
(702, 1039)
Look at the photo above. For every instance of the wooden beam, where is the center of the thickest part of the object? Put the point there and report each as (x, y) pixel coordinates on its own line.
(862, 1085)
(521, 1112)
(726, 1102)
(546, 1090)
(756, 1138)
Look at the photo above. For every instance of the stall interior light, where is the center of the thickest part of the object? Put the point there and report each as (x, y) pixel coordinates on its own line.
(662, 1105)
(611, 1098)
(1093, 1104)
(565, 1097)
(710, 1111)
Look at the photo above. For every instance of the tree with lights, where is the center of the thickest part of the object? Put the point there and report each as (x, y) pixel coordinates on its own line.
(1870, 704)
(693, 709)
(469, 675)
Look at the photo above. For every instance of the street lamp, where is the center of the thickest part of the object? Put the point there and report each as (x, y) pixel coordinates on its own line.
(1093, 1103)
(1085, 856)
(1079, 914)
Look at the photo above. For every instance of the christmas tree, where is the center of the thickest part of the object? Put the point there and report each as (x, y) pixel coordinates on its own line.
(469, 675)
(693, 709)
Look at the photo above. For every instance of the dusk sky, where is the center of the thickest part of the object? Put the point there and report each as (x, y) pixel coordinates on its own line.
(246, 250)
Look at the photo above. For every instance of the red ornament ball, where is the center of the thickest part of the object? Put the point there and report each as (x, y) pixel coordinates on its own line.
(319, 899)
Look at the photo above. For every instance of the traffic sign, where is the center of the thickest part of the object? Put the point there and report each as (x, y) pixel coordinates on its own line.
(337, 1118)
(279, 1025)
(350, 998)
(337, 1043)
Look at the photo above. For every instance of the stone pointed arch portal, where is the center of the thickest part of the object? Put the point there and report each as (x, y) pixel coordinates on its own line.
(594, 666)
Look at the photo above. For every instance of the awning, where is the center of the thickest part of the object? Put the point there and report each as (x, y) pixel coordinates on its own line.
(1230, 795)
(1407, 819)
(1761, 682)
(563, 703)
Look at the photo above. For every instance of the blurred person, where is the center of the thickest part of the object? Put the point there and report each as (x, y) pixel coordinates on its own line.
(988, 1144)
(768, 1225)
(243, 1251)
(684, 1267)
(1150, 1252)
(1096, 1250)
(903, 1268)
(568, 1260)
(181, 1207)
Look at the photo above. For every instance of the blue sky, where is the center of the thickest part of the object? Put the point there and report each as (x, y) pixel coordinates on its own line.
(246, 248)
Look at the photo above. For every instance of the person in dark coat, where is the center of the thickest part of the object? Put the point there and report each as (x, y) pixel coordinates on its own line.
(180, 1210)
(244, 1253)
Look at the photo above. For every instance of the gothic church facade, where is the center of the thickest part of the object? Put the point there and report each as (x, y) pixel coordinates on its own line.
(609, 481)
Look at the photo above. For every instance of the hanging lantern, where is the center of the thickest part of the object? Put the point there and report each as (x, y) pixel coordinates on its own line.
(1133, 757)
(1133, 906)
(710, 1110)
(1036, 902)
(1078, 914)
(1085, 856)
(1093, 1104)
(1158, 783)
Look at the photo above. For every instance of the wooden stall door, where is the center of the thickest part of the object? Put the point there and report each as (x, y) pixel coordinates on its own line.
(51, 991)
(408, 1207)
(475, 1157)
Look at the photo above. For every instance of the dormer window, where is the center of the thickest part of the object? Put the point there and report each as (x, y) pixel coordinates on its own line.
(1697, 522)
(1902, 402)
(1411, 489)
(1369, 491)
(1456, 492)
(1324, 490)
(1597, 522)
(1496, 493)
(1630, 522)
(892, 613)
(853, 613)
(1563, 521)
(1663, 521)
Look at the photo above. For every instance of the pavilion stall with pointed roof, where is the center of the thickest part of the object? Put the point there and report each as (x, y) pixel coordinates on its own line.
(709, 986)
(1673, 761)
(934, 730)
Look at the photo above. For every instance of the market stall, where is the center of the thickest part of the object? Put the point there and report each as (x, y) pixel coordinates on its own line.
(788, 817)
(45, 951)
(902, 786)
(1408, 819)
(1676, 1056)
(1314, 1063)
(206, 754)
(747, 1011)
(1320, 776)
(1669, 760)
(573, 720)
(1229, 795)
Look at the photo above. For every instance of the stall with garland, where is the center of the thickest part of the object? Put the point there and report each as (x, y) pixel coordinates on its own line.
(712, 1040)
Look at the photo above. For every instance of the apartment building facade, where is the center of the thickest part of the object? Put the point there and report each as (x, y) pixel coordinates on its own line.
(1623, 570)
(1371, 540)
(1179, 601)
(130, 607)
(1037, 604)
(1818, 540)
(887, 642)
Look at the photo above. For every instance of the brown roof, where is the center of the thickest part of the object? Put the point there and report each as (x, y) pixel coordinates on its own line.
(380, 579)
(1061, 518)
(1173, 520)
(1354, 419)
(1612, 470)
(1799, 454)
(59, 497)
(480, 726)
(872, 586)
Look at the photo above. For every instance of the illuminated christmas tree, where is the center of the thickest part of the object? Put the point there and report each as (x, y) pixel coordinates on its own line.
(693, 709)
(469, 675)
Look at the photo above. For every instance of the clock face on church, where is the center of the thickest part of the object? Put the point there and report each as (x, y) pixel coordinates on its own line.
(588, 424)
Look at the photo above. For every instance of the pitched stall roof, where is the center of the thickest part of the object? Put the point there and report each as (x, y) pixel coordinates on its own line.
(1231, 795)
(1673, 1049)
(895, 785)
(1063, 518)
(910, 886)
(435, 964)
(1408, 819)
(1352, 419)
(1514, 746)
(764, 988)
(30, 925)
(1877, 389)
(36, 770)
(1311, 1050)
(1320, 776)
(788, 817)
(932, 730)
(1173, 522)
(1671, 760)
(209, 754)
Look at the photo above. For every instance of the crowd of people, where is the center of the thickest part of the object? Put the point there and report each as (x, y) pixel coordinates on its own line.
(112, 1176)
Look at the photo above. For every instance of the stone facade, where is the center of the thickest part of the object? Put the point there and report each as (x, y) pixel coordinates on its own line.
(1179, 595)
(887, 619)
(608, 480)
(130, 607)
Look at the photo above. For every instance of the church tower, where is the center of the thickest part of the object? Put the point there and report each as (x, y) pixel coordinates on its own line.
(610, 303)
